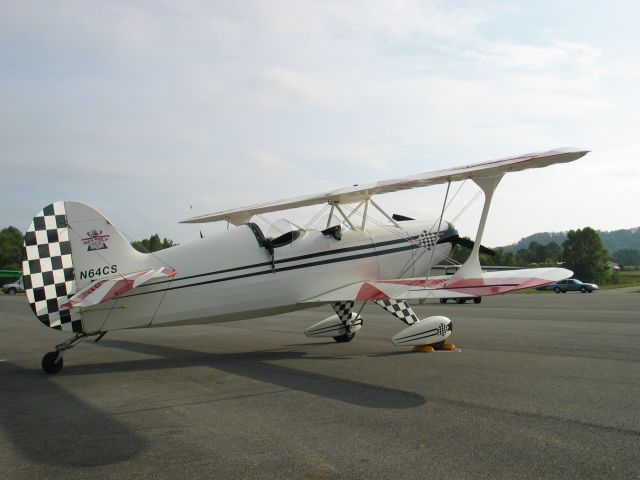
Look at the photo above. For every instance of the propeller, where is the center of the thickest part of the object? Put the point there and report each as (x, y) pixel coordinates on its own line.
(466, 243)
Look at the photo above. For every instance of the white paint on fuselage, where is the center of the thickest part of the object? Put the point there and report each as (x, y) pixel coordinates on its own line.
(229, 276)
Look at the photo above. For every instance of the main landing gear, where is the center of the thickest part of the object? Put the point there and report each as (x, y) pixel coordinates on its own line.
(53, 362)
(347, 337)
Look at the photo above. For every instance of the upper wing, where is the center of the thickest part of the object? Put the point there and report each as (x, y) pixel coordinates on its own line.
(238, 216)
(108, 288)
(491, 283)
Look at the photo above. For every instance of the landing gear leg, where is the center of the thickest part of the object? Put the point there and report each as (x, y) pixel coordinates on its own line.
(53, 362)
(350, 321)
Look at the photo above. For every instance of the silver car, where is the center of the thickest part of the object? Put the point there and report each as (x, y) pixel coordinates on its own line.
(571, 285)
(13, 288)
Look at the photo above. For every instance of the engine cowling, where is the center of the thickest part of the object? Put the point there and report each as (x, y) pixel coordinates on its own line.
(429, 331)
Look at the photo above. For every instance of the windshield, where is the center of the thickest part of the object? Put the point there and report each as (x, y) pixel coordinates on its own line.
(282, 226)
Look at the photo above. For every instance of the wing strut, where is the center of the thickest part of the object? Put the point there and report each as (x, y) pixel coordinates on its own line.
(379, 208)
(471, 268)
(346, 218)
(444, 206)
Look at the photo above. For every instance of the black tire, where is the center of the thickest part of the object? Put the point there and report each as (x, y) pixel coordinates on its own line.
(347, 337)
(583, 289)
(556, 289)
(12, 291)
(460, 300)
(477, 299)
(443, 300)
(49, 364)
(564, 291)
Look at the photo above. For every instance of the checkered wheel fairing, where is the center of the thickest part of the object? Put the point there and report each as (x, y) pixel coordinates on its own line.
(47, 268)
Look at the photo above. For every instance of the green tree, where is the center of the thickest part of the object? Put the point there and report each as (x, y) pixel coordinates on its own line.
(10, 249)
(152, 244)
(626, 256)
(502, 258)
(584, 253)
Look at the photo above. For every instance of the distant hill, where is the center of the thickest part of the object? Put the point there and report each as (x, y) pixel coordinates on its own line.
(614, 240)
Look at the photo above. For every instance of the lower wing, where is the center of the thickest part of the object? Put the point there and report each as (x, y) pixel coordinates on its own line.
(490, 283)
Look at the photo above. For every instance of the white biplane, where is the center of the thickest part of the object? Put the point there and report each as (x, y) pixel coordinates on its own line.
(81, 275)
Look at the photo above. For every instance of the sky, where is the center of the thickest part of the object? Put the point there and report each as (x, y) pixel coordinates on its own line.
(155, 111)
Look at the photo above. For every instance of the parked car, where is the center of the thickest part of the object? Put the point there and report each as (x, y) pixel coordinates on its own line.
(570, 285)
(15, 287)
(462, 299)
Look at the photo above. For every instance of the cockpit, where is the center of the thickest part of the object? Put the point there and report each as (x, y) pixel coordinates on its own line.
(281, 233)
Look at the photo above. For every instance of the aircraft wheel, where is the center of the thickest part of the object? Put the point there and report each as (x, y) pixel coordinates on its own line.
(347, 337)
(557, 290)
(443, 300)
(49, 364)
(477, 300)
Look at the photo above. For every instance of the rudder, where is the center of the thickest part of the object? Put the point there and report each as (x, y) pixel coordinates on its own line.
(66, 247)
(47, 269)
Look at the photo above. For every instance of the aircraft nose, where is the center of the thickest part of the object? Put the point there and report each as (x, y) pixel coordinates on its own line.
(448, 230)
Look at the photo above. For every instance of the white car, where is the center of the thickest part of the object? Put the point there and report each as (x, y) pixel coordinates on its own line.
(15, 287)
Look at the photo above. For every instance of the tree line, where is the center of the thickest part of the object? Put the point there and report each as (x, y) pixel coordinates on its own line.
(582, 251)
(11, 247)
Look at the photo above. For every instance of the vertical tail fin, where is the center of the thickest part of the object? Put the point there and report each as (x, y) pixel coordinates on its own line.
(67, 245)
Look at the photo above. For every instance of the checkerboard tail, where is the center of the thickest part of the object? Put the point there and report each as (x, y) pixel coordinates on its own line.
(47, 268)
(66, 247)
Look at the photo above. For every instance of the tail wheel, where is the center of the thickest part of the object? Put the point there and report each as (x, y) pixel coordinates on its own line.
(49, 363)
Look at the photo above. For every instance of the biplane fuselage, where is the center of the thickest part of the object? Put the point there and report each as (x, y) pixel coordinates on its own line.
(230, 276)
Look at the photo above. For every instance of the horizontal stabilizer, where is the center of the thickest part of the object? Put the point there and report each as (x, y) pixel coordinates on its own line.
(109, 288)
(490, 283)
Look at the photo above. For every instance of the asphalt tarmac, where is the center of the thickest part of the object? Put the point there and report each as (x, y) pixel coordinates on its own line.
(543, 386)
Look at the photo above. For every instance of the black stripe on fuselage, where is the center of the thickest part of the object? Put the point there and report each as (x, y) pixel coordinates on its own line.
(281, 269)
(293, 259)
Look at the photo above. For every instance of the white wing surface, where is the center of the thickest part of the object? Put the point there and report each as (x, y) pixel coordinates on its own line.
(491, 283)
(238, 216)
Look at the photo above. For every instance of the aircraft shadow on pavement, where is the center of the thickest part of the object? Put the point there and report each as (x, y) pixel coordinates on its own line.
(256, 366)
(49, 425)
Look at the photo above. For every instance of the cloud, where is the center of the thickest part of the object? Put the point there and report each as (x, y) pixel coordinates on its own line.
(294, 86)
(219, 104)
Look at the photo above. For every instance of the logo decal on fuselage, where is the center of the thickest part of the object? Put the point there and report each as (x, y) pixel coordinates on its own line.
(96, 240)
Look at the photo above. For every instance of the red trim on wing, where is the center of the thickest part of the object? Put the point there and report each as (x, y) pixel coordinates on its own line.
(369, 292)
(474, 286)
(413, 282)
